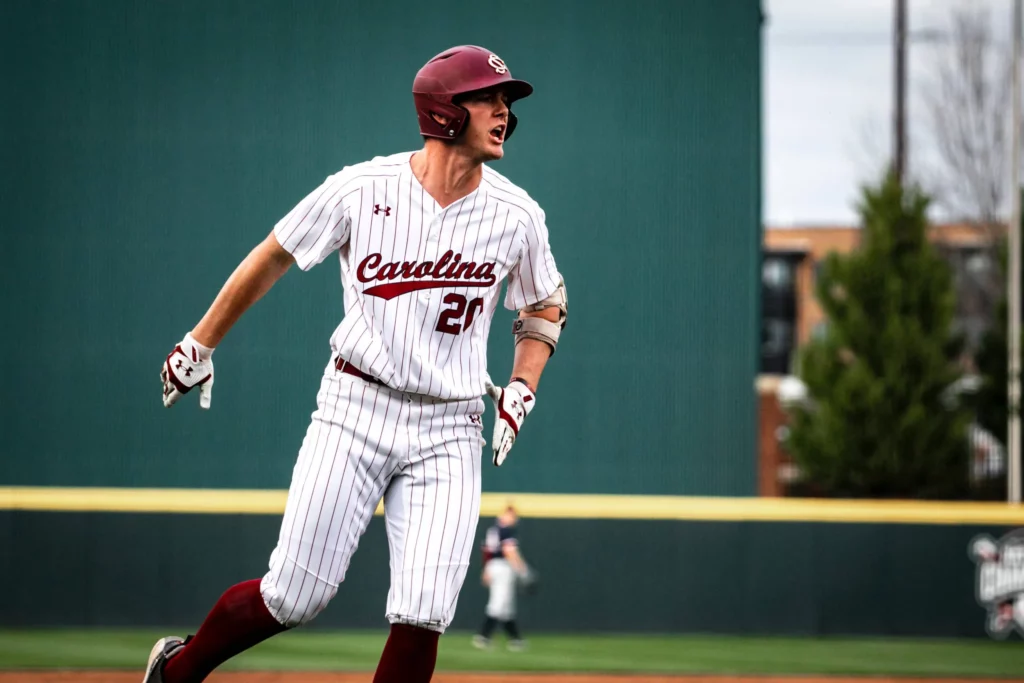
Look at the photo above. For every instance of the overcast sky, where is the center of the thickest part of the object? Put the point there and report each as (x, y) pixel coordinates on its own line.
(828, 86)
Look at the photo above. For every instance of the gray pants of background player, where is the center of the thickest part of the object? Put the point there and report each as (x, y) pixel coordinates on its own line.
(501, 605)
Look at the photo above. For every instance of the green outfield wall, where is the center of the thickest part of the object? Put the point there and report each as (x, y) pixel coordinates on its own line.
(614, 575)
(148, 146)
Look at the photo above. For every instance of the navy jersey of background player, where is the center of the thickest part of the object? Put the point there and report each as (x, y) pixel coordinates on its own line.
(495, 539)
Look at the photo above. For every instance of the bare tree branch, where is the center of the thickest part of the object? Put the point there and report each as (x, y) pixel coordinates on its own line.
(965, 102)
(966, 98)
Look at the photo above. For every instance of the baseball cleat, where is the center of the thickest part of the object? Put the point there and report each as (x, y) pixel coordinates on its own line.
(481, 643)
(516, 645)
(164, 649)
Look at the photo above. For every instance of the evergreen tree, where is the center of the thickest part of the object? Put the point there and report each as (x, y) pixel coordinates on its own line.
(880, 422)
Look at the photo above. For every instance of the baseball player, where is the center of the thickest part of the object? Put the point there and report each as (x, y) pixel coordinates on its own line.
(504, 566)
(424, 241)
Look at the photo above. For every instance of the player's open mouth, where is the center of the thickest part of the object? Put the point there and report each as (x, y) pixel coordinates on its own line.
(498, 133)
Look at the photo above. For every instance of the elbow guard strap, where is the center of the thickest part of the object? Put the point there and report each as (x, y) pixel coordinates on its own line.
(539, 329)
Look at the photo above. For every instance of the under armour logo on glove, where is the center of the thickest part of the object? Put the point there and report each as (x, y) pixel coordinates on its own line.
(186, 367)
(511, 405)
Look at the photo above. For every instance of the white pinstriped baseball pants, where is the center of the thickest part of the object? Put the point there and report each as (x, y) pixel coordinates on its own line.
(366, 441)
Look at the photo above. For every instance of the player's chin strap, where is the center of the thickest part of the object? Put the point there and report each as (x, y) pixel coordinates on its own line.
(539, 328)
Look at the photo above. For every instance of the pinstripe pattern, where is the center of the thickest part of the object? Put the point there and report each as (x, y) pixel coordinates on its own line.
(432, 507)
(377, 213)
(365, 442)
(421, 286)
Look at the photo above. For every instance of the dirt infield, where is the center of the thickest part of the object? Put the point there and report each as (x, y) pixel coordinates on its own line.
(365, 677)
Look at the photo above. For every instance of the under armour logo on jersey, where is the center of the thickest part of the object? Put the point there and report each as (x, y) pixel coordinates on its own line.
(386, 209)
(497, 64)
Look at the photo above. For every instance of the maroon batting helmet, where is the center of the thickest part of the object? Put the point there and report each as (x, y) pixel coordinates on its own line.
(458, 71)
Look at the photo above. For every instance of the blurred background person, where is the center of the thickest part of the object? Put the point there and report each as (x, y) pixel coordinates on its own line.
(504, 568)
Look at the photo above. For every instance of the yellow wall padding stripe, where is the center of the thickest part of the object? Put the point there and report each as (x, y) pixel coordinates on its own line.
(540, 505)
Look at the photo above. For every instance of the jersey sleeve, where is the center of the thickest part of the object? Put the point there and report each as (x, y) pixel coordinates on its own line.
(319, 224)
(535, 276)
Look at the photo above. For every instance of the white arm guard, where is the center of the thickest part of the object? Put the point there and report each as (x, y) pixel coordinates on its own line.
(539, 328)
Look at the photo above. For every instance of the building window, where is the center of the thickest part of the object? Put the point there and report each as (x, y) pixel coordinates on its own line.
(777, 273)
(978, 264)
(777, 337)
(778, 310)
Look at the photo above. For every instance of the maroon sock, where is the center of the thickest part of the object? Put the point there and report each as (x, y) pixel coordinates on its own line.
(409, 656)
(238, 621)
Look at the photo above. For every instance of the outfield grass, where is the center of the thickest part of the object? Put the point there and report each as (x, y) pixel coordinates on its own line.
(358, 651)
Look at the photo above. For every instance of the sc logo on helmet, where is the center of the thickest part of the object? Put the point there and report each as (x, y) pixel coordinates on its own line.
(497, 64)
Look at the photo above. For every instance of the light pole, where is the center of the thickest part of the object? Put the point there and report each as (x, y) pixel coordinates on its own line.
(900, 90)
(1013, 284)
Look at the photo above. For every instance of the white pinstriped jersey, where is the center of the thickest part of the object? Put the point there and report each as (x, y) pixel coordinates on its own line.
(421, 283)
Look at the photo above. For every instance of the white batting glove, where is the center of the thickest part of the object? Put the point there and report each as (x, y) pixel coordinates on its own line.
(188, 366)
(511, 406)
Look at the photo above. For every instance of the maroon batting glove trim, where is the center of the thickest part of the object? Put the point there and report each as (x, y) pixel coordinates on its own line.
(503, 414)
(238, 621)
(172, 377)
(409, 655)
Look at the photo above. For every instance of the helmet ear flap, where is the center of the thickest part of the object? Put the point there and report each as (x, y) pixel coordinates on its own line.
(427, 107)
(460, 123)
(456, 123)
(513, 121)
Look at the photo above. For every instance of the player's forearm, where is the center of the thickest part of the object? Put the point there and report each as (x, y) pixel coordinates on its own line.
(253, 278)
(516, 561)
(532, 355)
(530, 359)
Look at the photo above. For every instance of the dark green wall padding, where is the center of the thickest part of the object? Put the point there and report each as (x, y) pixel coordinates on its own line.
(100, 569)
(148, 146)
